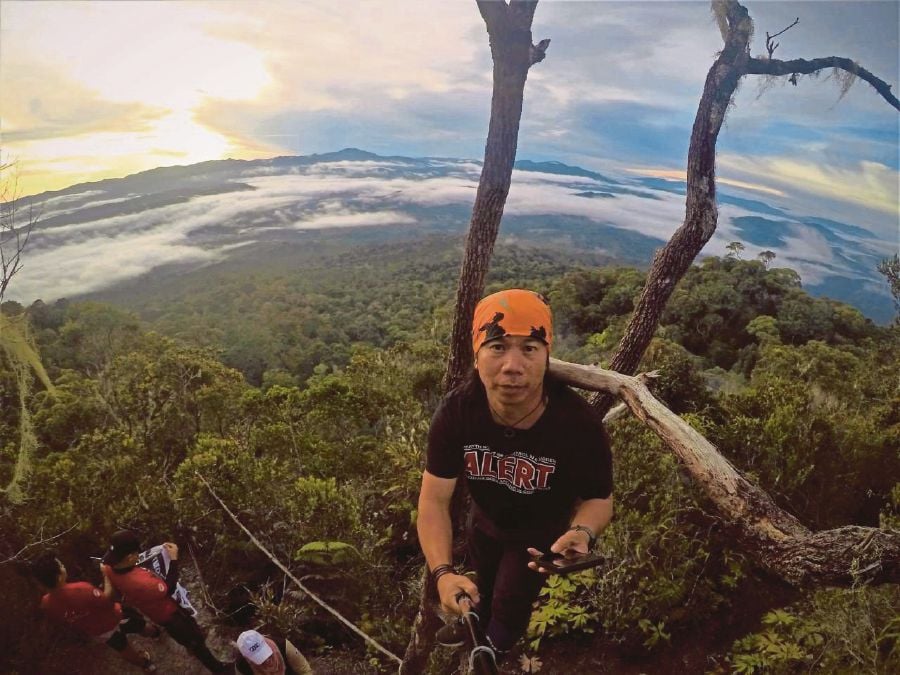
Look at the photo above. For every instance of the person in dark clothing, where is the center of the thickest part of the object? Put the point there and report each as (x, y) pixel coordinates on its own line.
(535, 458)
(152, 595)
(86, 609)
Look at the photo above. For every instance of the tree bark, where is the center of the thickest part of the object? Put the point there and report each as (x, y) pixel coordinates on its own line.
(672, 261)
(509, 34)
(806, 67)
(701, 214)
(773, 538)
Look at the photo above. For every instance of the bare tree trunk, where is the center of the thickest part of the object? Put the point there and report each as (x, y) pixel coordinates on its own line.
(673, 260)
(701, 214)
(773, 538)
(509, 33)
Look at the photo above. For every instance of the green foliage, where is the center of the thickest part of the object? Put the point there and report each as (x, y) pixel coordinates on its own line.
(712, 313)
(837, 630)
(680, 383)
(813, 413)
(890, 270)
(323, 461)
(585, 301)
(19, 352)
(104, 481)
(765, 329)
(326, 552)
(86, 336)
(655, 632)
(667, 566)
(77, 409)
(889, 518)
(564, 606)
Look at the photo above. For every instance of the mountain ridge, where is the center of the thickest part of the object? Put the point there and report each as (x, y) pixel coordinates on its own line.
(199, 213)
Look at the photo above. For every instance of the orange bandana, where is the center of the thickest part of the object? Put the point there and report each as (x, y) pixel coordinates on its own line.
(512, 312)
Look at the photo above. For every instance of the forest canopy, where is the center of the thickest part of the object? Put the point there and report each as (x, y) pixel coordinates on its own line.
(242, 377)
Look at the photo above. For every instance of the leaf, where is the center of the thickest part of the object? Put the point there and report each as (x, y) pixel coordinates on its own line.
(326, 552)
(530, 664)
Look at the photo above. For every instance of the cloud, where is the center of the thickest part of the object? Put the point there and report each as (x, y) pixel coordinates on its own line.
(870, 185)
(40, 102)
(203, 80)
(368, 50)
(350, 219)
(804, 249)
(78, 257)
(161, 54)
(90, 255)
(680, 176)
(100, 262)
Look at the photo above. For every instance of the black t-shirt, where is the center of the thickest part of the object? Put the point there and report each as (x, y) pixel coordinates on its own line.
(527, 479)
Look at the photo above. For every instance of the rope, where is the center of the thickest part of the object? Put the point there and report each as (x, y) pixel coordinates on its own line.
(284, 569)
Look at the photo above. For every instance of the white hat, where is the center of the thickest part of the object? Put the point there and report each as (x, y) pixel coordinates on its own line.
(253, 646)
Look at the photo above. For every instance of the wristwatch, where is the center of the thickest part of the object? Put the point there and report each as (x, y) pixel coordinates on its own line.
(592, 538)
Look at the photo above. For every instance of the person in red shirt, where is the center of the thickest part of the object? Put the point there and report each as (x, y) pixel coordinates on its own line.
(86, 609)
(152, 595)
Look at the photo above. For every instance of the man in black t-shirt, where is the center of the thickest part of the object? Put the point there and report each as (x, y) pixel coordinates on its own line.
(536, 460)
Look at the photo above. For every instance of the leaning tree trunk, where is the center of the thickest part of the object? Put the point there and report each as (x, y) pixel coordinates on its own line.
(509, 33)
(701, 214)
(674, 259)
(773, 538)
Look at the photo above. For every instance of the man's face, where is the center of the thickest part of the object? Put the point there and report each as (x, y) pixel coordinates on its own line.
(512, 369)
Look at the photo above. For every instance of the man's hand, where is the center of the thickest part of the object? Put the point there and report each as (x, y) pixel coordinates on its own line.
(451, 585)
(172, 549)
(571, 544)
(109, 591)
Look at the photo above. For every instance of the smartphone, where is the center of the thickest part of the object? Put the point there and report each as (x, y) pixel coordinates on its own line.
(563, 565)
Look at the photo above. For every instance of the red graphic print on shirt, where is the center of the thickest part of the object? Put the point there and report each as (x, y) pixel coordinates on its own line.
(518, 471)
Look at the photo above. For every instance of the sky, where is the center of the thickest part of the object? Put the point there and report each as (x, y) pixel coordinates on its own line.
(92, 90)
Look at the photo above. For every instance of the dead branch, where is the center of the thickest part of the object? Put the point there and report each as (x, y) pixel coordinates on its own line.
(673, 260)
(15, 230)
(806, 67)
(776, 540)
(40, 542)
(772, 46)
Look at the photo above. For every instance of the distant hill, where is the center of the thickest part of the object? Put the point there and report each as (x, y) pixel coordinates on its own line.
(96, 236)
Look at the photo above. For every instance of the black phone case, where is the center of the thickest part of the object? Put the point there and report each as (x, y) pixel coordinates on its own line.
(559, 564)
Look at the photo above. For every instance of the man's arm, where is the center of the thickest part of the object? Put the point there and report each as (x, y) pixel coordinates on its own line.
(594, 514)
(172, 574)
(436, 538)
(109, 591)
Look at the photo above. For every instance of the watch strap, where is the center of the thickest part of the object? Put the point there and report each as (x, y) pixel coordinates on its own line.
(592, 538)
